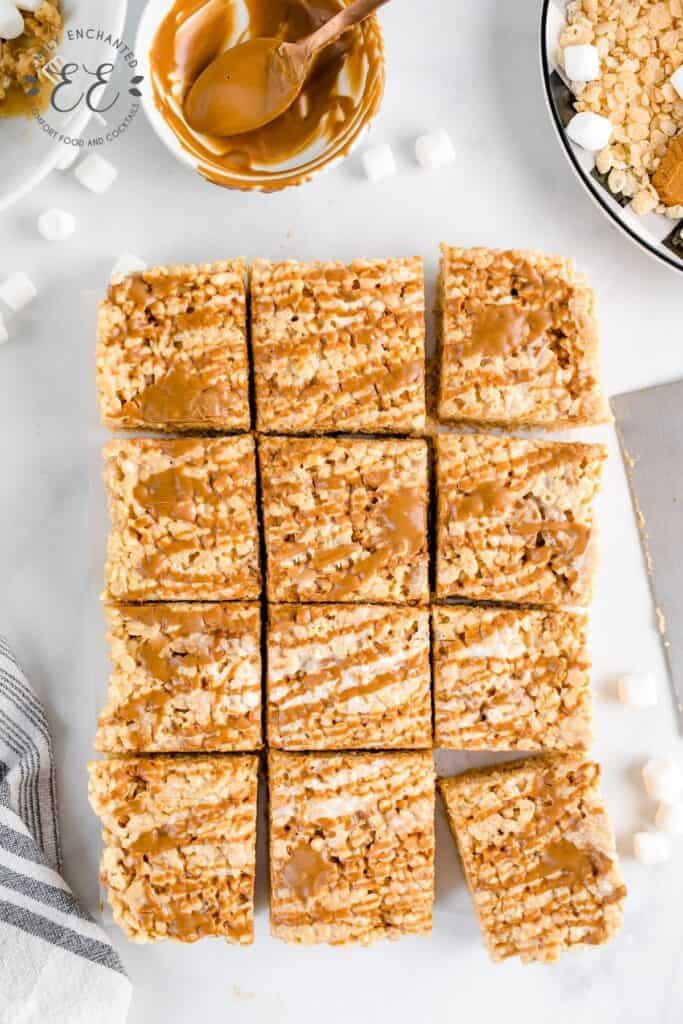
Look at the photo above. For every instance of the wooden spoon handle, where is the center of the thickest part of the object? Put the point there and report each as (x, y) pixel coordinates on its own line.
(332, 29)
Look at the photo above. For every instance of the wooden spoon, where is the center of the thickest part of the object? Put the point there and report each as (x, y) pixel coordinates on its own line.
(256, 81)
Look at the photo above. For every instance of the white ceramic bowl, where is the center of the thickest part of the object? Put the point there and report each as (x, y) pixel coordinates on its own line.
(656, 234)
(28, 154)
(304, 166)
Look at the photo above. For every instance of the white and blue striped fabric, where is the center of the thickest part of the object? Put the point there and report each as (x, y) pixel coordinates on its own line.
(57, 965)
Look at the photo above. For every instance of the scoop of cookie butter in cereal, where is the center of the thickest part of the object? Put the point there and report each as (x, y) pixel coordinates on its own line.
(22, 57)
(640, 45)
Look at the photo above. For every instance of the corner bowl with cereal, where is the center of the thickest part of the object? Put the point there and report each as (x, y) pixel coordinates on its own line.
(29, 150)
(613, 80)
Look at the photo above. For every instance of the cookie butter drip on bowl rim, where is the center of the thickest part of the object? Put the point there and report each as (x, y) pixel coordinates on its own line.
(178, 39)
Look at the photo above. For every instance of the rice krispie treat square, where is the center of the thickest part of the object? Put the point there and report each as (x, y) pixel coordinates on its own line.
(185, 677)
(172, 349)
(351, 846)
(345, 520)
(515, 520)
(344, 677)
(184, 519)
(538, 852)
(179, 839)
(519, 341)
(339, 346)
(510, 679)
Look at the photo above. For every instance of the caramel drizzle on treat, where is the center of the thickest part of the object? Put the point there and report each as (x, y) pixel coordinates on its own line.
(561, 869)
(186, 492)
(185, 640)
(557, 545)
(343, 90)
(498, 331)
(306, 872)
(200, 388)
(401, 516)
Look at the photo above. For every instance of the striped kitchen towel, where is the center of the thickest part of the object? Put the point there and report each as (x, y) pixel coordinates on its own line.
(56, 964)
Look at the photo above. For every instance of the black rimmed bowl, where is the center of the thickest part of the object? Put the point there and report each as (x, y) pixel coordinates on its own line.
(658, 235)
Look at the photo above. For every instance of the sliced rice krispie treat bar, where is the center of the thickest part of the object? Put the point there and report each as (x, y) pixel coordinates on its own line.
(515, 520)
(345, 520)
(518, 340)
(510, 679)
(346, 677)
(172, 349)
(351, 846)
(339, 346)
(539, 855)
(184, 519)
(179, 844)
(185, 677)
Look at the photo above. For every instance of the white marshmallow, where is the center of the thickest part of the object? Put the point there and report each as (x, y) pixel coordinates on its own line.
(590, 131)
(637, 690)
(67, 157)
(581, 63)
(434, 150)
(677, 81)
(663, 779)
(378, 162)
(17, 290)
(651, 847)
(4, 335)
(128, 263)
(96, 173)
(669, 817)
(28, 5)
(11, 20)
(56, 225)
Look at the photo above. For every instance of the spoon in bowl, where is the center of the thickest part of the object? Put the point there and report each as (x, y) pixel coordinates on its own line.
(256, 81)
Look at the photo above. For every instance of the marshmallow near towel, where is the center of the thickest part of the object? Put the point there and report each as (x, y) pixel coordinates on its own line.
(57, 965)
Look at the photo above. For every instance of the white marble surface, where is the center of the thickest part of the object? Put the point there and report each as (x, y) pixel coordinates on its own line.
(473, 68)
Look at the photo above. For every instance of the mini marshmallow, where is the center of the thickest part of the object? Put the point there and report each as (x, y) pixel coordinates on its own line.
(663, 779)
(96, 173)
(56, 225)
(651, 847)
(434, 150)
(581, 63)
(17, 290)
(28, 5)
(669, 818)
(637, 690)
(128, 263)
(68, 156)
(677, 81)
(590, 131)
(4, 335)
(11, 20)
(378, 162)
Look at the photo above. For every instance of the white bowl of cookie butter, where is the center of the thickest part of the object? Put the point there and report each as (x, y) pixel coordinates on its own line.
(29, 148)
(178, 38)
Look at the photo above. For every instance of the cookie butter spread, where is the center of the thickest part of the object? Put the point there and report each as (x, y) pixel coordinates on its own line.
(341, 92)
